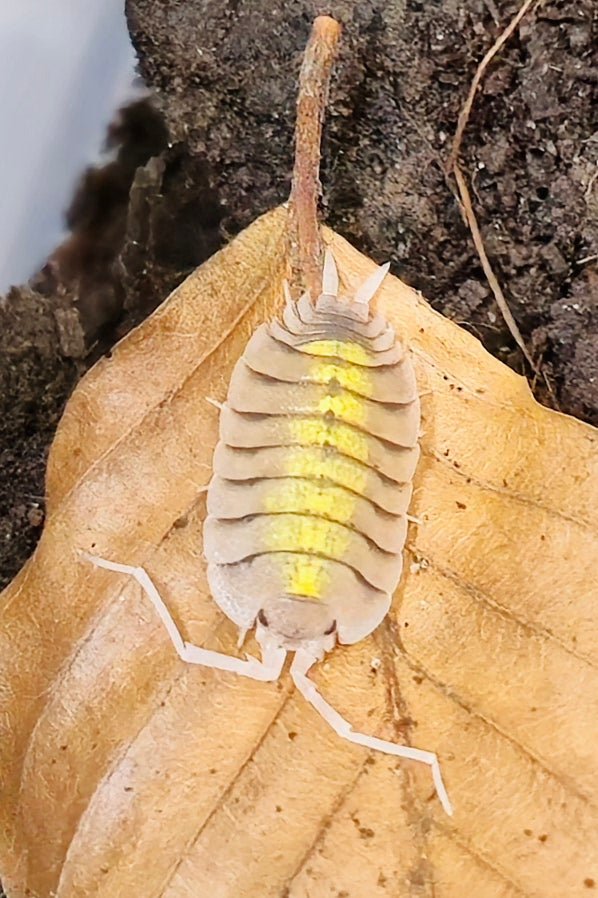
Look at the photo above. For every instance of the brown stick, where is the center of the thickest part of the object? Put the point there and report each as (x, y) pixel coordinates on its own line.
(314, 79)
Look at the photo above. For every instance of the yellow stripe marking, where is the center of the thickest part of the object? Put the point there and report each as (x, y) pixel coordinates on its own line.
(306, 576)
(306, 462)
(296, 533)
(356, 379)
(310, 497)
(349, 408)
(340, 349)
(322, 432)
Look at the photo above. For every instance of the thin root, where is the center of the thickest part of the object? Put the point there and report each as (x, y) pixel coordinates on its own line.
(452, 167)
(467, 106)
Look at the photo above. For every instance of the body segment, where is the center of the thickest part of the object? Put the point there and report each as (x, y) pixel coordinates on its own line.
(307, 504)
(318, 445)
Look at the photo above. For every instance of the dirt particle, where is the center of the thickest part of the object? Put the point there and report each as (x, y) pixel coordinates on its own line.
(589, 883)
(35, 516)
(461, 505)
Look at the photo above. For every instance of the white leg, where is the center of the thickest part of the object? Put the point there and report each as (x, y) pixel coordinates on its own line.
(301, 664)
(272, 658)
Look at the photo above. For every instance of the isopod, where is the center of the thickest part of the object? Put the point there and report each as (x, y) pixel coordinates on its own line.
(307, 505)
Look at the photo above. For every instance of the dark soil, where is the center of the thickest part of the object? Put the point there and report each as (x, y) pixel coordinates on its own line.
(215, 151)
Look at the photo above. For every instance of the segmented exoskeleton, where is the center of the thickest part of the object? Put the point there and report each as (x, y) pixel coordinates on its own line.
(312, 475)
(307, 508)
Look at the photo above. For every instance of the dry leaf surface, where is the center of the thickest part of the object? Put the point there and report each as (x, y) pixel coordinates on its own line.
(126, 773)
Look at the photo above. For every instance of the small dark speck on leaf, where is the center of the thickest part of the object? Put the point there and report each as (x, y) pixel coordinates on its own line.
(461, 505)
(589, 883)
(292, 735)
(527, 832)
(542, 838)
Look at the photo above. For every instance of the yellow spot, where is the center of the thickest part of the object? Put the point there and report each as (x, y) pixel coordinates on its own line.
(306, 462)
(340, 349)
(305, 575)
(310, 497)
(355, 378)
(323, 432)
(298, 533)
(347, 407)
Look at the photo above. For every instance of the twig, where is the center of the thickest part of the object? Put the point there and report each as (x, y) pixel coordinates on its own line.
(490, 276)
(452, 167)
(466, 110)
(314, 79)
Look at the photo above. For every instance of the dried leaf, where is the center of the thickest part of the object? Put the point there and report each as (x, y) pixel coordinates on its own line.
(127, 773)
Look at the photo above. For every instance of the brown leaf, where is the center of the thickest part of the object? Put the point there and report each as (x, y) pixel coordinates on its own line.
(127, 773)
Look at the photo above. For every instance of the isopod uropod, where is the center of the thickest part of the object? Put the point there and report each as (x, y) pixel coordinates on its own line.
(307, 506)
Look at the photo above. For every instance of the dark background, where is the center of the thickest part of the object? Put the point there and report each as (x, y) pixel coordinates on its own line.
(213, 150)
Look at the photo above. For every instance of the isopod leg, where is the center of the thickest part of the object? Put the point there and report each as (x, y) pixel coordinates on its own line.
(268, 668)
(301, 664)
